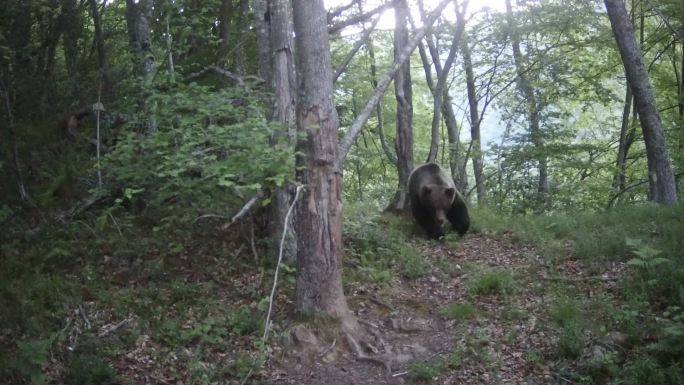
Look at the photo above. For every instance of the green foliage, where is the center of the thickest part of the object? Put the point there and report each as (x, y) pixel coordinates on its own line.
(88, 366)
(643, 370)
(671, 326)
(495, 281)
(376, 243)
(591, 234)
(31, 356)
(208, 152)
(460, 311)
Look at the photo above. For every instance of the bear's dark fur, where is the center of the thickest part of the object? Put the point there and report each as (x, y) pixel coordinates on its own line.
(434, 200)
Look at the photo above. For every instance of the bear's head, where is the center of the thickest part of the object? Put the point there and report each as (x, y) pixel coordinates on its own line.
(438, 198)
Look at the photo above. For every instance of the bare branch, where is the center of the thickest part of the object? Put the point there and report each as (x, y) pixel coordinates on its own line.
(244, 210)
(347, 59)
(333, 13)
(239, 80)
(359, 18)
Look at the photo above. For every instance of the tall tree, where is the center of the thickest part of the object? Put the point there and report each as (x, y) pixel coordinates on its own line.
(284, 87)
(319, 213)
(475, 120)
(660, 176)
(403, 142)
(96, 14)
(139, 20)
(441, 85)
(533, 110)
(225, 25)
(72, 34)
(263, 37)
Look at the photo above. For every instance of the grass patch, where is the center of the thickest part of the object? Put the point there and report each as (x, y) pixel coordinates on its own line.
(498, 281)
(460, 311)
(565, 311)
(591, 234)
(424, 371)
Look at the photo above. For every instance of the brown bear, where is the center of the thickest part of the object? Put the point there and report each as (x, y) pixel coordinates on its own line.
(434, 200)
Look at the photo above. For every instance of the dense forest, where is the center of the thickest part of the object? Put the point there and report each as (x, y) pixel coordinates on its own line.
(221, 192)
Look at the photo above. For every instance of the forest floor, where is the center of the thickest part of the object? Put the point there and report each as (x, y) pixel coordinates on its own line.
(479, 315)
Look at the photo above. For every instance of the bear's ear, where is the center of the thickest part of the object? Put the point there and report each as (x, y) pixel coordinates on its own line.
(425, 191)
(450, 192)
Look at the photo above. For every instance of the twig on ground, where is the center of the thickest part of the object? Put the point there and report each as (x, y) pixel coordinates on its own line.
(114, 327)
(84, 316)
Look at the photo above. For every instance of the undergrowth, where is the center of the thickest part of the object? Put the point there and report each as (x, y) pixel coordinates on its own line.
(639, 338)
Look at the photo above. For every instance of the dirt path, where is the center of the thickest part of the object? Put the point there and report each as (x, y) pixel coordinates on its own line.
(509, 339)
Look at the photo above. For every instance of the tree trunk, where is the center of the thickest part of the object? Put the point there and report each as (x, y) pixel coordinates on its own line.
(661, 178)
(403, 143)
(139, 19)
(225, 25)
(625, 142)
(11, 130)
(319, 213)
(263, 37)
(72, 32)
(100, 45)
(527, 91)
(475, 119)
(284, 89)
(240, 53)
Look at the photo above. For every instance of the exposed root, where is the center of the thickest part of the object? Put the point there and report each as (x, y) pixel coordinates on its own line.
(382, 360)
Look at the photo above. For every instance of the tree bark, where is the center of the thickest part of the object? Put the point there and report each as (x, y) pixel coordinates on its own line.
(263, 36)
(475, 119)
(284, 112)
(139, 19)
(319, 213)
(533, 110)
(403, 92)
(661, 178)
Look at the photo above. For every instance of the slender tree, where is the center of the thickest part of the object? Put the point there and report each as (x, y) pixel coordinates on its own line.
(475, 120)
(533, 109)
(403, 142)
(661, 178)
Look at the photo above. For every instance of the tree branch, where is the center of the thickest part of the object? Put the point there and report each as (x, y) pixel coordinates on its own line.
(239, 80)
(347, 59)
(359, 18)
